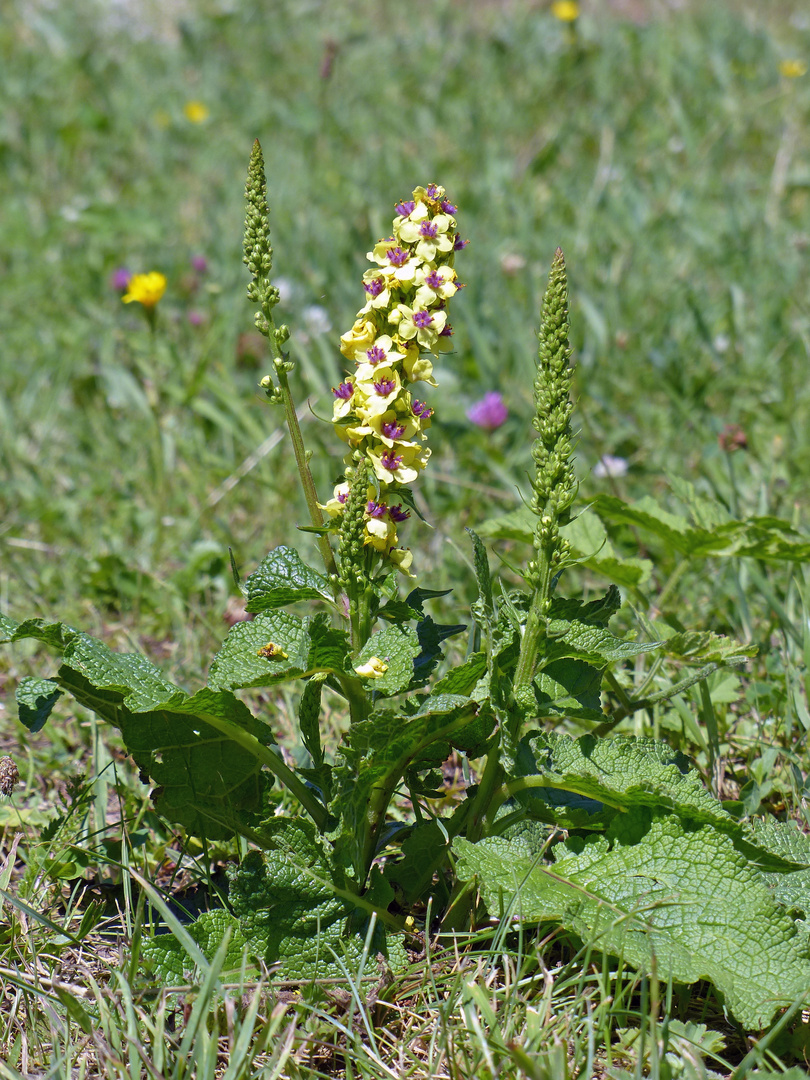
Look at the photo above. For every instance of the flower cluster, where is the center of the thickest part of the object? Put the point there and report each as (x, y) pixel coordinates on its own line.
(404, 318)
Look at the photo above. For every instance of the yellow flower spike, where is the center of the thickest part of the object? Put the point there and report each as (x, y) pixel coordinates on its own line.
(196, 112)
(373, 668)
(565, 10)
(792, 69)
(145, 289)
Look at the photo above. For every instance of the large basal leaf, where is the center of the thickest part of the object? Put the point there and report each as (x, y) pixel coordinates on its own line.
(623, 772)
(682, 898)
(589, 542)
(172, 966)
(203, 751)
(282, 578)
(294, 910)
(276, 647)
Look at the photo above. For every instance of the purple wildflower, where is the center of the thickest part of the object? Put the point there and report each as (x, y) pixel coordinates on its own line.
(420, 409)
(488, 413)
(428, 228)
(384, 387)
(119, 279)
(396, 513)
(422, 319)
(405, 207)
(448, 207)
(375, 355)
(375, 509)
(196, 318)
(344, 391)
(458, 243)
(199, 263)
(434, 279)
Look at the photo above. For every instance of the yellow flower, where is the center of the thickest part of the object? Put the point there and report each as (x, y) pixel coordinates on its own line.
(373, 668)
(146, 289)
(792, 69)
(565, 10)
(196, 112)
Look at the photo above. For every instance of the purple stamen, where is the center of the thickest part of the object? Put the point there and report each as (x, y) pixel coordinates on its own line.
(448, 207)
(384, 387)
(393, 430)
(432, 191)
(374, 287)
(375, 354)
(343, 496)
(396, 256)
(344, 391)
(404, 208)
(391, 461)
(396, 513)
(375, 509)
(428, 228)
(458, 243)
(422, 319)
(422, 410)
(446, 331)
(434, 279)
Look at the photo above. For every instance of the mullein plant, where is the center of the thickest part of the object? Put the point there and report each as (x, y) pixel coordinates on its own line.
(332, 871)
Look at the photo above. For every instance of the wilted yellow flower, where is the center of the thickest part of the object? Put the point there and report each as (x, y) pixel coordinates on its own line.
(196, 112)
(373, 668)
(792, 69)
(146, 289)
(565, 10)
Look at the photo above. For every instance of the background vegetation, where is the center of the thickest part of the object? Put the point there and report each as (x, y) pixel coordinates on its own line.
(661, 146)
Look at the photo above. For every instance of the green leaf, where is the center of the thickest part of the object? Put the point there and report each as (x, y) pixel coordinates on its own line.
(35, 700)
(398, 646)
(8, 628)
(579, 631)
(484, 607)
(275, 647)
(680, 898)
(309, 716)
(462, 679)
(203, 751)
(589, 542)
(623, 772)
(702, 648)
(282, 578)
(294, 910)
(171, 964)
(568, 688)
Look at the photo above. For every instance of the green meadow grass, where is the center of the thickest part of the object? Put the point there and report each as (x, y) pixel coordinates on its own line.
(667, 157)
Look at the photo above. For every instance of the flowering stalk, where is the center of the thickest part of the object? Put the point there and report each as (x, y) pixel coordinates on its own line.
(554, 483)
(259, 260)
(375, 412)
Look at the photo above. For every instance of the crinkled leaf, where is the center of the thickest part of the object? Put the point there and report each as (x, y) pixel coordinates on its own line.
(430, 635)
(681, 898)
(703, 648)
(374, 756)
(462, 679)
(484, 607)
(274, 647)
(171, 964)
(398, 647)
(204, 751)
(35, 701)
(281, 578)
(309, 717)
(423, 850)
(294, 910)
(623, 772)
(568, 688)
(579, 631)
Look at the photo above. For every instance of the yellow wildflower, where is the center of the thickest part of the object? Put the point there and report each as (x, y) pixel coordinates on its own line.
(792, 69)
(196, 112)
(565, 10)
(145, 289)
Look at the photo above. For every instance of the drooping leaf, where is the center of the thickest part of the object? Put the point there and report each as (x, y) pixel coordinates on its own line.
(579, 631)
(484, 607)
(295, 910)
(281, 578)
(567, 688)
(309, 715)
(35, 701)
(275, 647)
(657, 892)
(703, 648)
